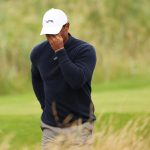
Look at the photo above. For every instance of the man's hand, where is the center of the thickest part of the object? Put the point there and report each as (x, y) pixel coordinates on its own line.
(56, 41)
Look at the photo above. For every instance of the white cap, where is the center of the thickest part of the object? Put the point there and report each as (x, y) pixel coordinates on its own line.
(53, 21)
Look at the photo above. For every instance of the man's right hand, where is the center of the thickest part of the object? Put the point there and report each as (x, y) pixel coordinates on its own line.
(56, 41)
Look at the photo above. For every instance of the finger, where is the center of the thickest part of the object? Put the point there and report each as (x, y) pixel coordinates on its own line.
(59, 37)
(50, 38)
(59, 34)
(54, 38)
(50, 35)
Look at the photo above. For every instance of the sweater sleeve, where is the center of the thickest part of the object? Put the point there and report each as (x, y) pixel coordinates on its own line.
(78, 72)
(37, 85)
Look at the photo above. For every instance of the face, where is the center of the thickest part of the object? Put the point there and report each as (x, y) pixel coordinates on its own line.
(63, 32)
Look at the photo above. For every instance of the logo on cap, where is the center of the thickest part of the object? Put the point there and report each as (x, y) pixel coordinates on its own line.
(49, 21)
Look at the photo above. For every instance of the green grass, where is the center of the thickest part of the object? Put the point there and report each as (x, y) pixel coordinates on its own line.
(25, 129)
(20, 114)
(121, 39)
(19, 104)
(122, 100)
(132, 100)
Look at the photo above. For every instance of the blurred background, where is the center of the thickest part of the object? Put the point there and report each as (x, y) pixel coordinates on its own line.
(120, 32)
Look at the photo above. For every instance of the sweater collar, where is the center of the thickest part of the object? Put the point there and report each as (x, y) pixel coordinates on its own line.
(68, 41)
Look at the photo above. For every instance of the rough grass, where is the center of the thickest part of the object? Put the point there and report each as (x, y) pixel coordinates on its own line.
(125, 96)
(23, 133)
(123, 120)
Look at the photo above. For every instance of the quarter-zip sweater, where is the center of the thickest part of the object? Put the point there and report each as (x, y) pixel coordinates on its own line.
(62, 81)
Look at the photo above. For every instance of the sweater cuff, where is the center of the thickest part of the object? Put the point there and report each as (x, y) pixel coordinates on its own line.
(59, 49)
(62, 55)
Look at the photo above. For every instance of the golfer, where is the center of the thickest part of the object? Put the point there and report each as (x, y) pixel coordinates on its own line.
(61, 69)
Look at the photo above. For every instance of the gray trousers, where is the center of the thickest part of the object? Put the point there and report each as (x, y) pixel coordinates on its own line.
(79, 136)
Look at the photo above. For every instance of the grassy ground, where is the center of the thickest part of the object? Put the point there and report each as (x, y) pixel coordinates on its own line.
(121, 38)
(115, 97)
(20, 115)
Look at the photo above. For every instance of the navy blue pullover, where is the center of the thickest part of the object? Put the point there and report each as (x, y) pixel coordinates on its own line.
(62, 81)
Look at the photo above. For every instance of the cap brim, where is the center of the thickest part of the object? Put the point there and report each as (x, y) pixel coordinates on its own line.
(50, 30)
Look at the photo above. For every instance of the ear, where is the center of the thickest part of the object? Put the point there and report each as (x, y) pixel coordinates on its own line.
(67, 26)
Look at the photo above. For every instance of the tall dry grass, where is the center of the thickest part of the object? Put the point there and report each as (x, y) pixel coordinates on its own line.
(135, 135)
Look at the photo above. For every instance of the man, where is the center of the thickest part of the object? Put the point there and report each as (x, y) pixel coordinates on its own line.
(62, 68)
